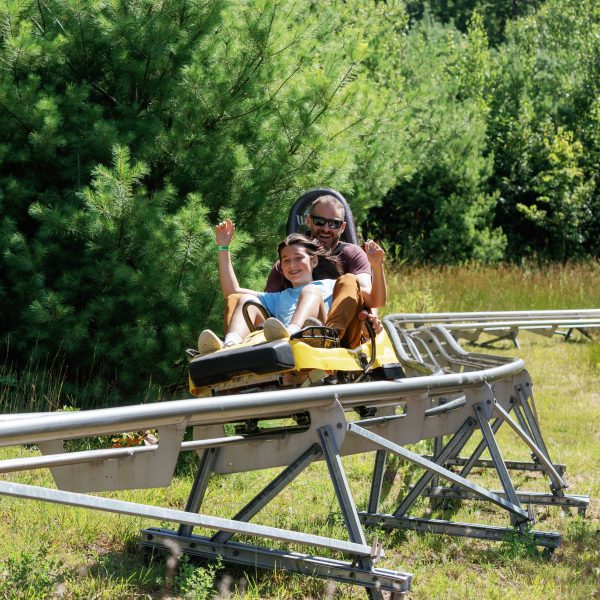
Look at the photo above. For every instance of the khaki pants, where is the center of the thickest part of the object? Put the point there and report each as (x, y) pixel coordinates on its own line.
(343, 316)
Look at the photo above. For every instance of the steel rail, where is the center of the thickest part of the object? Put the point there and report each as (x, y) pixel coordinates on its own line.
(591, 314)
(502, 324)
(228, 408)
(11, 465)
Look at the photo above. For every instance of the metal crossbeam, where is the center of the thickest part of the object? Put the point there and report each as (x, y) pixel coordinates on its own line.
(485, 532)
(279, 560)
(435, 469)
(20, 490)
(513, 465)
(541, 498)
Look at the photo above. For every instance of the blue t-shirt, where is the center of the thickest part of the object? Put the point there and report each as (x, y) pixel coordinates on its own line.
(283, 304)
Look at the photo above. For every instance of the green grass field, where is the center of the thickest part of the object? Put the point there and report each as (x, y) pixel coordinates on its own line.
(48, 551)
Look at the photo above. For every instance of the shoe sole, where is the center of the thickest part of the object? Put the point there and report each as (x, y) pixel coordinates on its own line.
(275, 330)
(208, 343)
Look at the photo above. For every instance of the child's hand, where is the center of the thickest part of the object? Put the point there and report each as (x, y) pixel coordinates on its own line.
(375, 253)
(224, 232)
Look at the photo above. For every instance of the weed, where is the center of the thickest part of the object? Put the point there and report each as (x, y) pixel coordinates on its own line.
(30, 575)
(519, 544)
(196, 582)
(581, 530)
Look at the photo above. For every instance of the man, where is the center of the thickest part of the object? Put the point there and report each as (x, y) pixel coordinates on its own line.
(362, 285)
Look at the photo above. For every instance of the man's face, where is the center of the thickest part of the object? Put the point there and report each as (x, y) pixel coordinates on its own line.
(327, 235)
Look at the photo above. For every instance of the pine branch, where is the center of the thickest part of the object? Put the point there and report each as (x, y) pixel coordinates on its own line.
(16, 117)
(266, 102)
(43, 27)
(294, 148)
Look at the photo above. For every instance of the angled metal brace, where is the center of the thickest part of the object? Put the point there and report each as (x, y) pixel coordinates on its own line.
(454, 446)
(558, 483)
(209, 457)
(474, 459)
(518, 412)
(496, 455)
(377, 481)
(340, 484)
(345, 500)
(272, 490)
(510, 335)
(479, 450)
(435, 469)
(522, 398)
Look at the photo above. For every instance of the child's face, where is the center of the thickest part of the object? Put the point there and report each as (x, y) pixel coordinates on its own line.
(297, 265)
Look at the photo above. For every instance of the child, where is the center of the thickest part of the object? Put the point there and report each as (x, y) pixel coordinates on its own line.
(311, 271)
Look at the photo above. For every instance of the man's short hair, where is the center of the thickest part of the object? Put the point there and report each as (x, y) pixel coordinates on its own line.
(329, 200)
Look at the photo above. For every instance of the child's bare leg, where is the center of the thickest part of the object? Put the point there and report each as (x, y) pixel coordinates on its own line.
(230, 303)
(237, 324)
(310, 304)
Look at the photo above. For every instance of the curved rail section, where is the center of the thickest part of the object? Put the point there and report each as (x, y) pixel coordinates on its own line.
(507, 324)
(455, 398)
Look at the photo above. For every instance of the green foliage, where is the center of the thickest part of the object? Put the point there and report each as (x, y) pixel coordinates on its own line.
(129, 128)
(496, 15)
(519, 545)
(442, 212)
(543, 132)
(194, 582)
(505, 141)
(30, 576)
(563, 195)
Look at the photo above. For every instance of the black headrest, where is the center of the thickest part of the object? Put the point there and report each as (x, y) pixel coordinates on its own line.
(299, 211)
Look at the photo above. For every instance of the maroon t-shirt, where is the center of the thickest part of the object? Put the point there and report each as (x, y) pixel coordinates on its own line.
(352, 257)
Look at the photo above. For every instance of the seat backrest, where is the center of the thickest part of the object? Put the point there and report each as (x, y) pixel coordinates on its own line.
(299, 212)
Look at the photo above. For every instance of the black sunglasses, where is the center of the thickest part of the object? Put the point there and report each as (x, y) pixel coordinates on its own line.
(320, 222)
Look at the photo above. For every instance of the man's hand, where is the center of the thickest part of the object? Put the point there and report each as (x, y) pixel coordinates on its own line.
(375, 253)
(224, 232)
(373, 319)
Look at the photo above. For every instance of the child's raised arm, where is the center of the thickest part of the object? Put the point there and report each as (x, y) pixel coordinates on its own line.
(229, 283)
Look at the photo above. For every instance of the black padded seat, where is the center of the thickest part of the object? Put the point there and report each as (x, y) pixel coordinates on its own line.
(271, 357)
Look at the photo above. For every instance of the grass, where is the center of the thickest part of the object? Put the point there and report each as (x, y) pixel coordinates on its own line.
(493, 288)
(49, 551)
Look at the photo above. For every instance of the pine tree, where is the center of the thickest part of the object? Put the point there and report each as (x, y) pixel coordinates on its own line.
(129, 129)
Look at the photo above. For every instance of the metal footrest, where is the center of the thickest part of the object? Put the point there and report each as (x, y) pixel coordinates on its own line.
(511, 465)
(541, 498)
(265, 558)
(474, 530)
